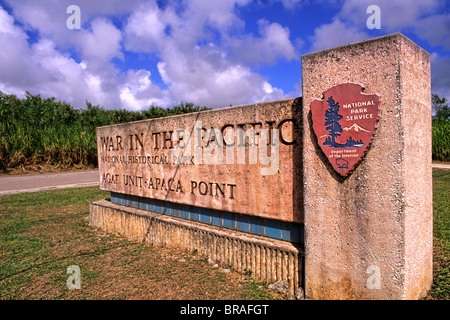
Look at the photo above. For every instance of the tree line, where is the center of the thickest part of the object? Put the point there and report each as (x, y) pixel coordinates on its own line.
(440, 129)
(34, 130)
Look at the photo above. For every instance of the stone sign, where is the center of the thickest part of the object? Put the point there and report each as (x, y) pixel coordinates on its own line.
(288, 190)
(238, 159)
(368, 235)
(344, 122)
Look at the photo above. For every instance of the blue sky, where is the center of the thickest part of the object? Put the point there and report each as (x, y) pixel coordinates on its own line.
(133, 54)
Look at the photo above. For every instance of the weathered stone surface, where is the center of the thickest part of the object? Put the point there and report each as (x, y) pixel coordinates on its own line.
(375, 224)
(146, 158)
(279, 286)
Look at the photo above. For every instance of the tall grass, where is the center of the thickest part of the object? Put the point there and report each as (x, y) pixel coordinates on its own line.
(441, 140)
(43, 131)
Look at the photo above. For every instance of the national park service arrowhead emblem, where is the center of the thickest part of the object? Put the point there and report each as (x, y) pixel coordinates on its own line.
(344, 122)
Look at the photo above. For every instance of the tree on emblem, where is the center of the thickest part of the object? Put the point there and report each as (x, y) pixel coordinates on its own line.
(332, 118)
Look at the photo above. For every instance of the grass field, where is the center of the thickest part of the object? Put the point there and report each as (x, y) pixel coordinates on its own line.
(441, 231)
(42, 234)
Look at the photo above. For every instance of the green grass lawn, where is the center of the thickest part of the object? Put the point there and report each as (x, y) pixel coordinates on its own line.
(42, 234)
(441, 231)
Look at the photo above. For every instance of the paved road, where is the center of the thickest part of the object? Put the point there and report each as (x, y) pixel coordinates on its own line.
(42, 182)
(50, 181)
(441, 166)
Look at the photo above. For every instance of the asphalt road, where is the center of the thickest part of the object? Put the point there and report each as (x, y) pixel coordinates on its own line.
(441, 166)
(50, 181)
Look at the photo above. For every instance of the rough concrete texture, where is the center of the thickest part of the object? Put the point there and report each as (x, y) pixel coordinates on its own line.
(369, 235)
(139, 158)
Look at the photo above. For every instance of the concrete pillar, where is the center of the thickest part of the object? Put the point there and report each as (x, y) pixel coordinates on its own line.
(369, 235)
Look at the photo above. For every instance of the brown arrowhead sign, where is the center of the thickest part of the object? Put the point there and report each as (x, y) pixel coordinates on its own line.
(344, 123)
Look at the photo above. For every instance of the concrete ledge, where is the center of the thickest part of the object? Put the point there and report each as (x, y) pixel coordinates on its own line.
(269, 260)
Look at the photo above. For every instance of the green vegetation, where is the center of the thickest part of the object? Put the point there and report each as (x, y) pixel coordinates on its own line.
(43, 131)
(441, 231)
(42, 234)
(441, 140)
(441, 129)
(440, 107)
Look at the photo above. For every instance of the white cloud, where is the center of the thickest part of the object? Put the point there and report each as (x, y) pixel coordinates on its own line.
(219, 14)
(205, 77)
(334, 34)
(193, 66)
(7, 26)
(435, 29)
(440, 70)
(192, 78)
(42, 68)
(145, 30)
(138, 92)
(14, 69)
(396, 15)
(49, 16)
(62, 77)
(426, 18)
(102, 44)
(190, 42)
(291, 4)
(273, 44)
(36, 15)
(203, 50)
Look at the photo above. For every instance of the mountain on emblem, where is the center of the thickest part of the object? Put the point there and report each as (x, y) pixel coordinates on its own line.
(356, 127)
(344, 123)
